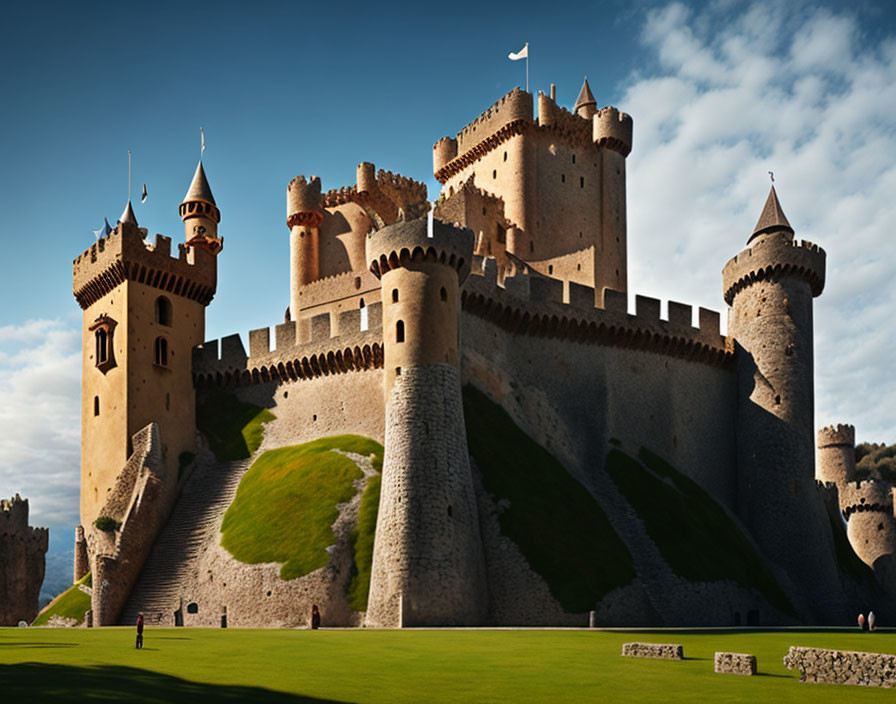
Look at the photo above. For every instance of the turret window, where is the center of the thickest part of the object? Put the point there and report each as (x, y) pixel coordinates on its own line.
(444, 294)
(399, 331)
(96, 405)
(160, 352)
(103, 329)
(163, 311)
(395, 295)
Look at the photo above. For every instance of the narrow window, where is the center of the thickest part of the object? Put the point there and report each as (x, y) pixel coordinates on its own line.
(395, 295)
(505, 156)
(397, 371)
(573, 158)
(563, 178)
(364, 321)
(531, 246)
(160, 352)
(399, 331)
(581, 181)
(163, 311)
(96, 405)
(551, 269)
(102, 346)
(495, 173)
(444, 294)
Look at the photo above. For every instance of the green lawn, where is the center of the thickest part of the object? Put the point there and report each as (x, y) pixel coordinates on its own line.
(557, 524)
(286, 504)
(192, 665)
(72, 603)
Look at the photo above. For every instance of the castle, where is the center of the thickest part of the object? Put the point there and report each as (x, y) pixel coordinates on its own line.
(22, 551)
(507, 293)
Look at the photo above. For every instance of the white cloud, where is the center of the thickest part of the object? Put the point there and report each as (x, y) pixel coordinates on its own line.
(40, 376)
(790, 88)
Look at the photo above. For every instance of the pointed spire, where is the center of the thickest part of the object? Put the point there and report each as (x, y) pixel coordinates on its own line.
(772, 218)
(128, 215)
(199, 188)
(585, 97)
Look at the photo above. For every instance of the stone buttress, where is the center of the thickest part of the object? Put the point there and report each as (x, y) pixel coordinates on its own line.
(428, 567)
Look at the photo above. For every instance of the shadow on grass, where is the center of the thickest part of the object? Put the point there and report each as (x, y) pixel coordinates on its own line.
(16, 644)
(63, 683)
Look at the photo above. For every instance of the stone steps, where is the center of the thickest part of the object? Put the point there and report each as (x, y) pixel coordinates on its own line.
(172, 561)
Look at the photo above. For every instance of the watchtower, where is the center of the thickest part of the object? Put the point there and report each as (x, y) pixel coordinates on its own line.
(770, 287)
(835, 461)
(304, 215)
(143, 312)
(428, 567)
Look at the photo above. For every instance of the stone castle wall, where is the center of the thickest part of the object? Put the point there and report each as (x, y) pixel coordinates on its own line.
(22, 551)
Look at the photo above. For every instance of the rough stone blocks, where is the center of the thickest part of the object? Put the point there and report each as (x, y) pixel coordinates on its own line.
(843, 666)
(660, 651)
(735, 664)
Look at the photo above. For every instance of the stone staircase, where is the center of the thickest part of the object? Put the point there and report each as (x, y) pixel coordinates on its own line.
(195, 520)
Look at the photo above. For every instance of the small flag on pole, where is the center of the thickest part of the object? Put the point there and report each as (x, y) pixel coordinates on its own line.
(143, 197)
(202, 140)
(521, 54)
(104, 230)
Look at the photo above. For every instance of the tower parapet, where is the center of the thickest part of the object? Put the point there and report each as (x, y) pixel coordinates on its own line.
(835, 460)
(428, 567)
(613, 130)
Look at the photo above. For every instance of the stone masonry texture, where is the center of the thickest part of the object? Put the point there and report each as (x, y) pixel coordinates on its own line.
(843, 666)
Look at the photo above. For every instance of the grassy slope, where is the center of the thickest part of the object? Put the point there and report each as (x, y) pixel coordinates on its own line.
(72, 603)
(366, 666)
(693, 533)
(362, 545)
(233, 427)
(286, 503)
(559, 527)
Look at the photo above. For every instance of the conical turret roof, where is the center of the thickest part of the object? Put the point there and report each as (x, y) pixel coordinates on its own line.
(585, 96)
(199, 188)
(128, 214)
(772, 218)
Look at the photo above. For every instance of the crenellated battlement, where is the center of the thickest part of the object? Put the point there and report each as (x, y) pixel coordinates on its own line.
(613, 130)
(516, 105)
(124, 256)
(869, 495)
(774, 257)
(532, 304)
(413, 240)
(568, 126)
(832, 435)
(321, 349)
(303, 202)
(391, 196)
(14, 521)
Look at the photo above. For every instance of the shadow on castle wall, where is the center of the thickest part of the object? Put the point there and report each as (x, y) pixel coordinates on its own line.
(65, 683)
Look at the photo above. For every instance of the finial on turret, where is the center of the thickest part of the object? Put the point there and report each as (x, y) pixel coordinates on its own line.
(128, 215)
(772, 218)
(586, 105)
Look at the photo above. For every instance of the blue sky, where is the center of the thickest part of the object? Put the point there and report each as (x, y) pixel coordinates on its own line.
(720, 92)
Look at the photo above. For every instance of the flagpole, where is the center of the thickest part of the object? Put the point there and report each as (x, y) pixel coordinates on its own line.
(129, 175)
(527, 69)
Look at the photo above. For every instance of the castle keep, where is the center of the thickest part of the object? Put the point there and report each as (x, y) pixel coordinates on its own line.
(531, 422)
(22, 551)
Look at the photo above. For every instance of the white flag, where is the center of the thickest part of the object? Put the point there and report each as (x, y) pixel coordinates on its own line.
(202, 137)
(521, 54)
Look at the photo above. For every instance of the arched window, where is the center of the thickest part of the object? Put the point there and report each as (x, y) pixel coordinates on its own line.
(364, 320)
(160, 352)
(395, 295)
(444, 294)
(102, 346)
(96, 405)
(103, 329)
(163, 311)
(399, 331)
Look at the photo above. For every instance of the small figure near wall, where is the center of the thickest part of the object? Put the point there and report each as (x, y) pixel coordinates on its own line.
(871, 619)
(140, 630)
(315, 617)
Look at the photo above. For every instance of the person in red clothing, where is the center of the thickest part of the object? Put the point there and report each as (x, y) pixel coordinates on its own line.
(140, 630)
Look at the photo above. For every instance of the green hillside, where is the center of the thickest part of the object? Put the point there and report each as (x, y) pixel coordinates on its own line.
(556, 522)
(233, 427)
(695, 535)
(285, 506)
(72, 603)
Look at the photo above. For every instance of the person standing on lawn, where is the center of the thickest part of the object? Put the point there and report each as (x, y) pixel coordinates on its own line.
(139, 630)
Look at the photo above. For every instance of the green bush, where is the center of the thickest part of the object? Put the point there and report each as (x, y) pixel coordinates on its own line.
(876, 461)
(233, 427)
(695, 535)
(107, 524)
(555, 521)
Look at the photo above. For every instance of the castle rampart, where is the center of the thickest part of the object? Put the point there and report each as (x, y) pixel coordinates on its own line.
(124, 256)
(513, 107)
(772, 258)
(835, 460)
(613, 130)
(22, 551)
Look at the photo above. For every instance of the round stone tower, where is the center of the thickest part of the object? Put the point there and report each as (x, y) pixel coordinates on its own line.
(835, 461)
(304, 216)
(428, 567)
(770, 287)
